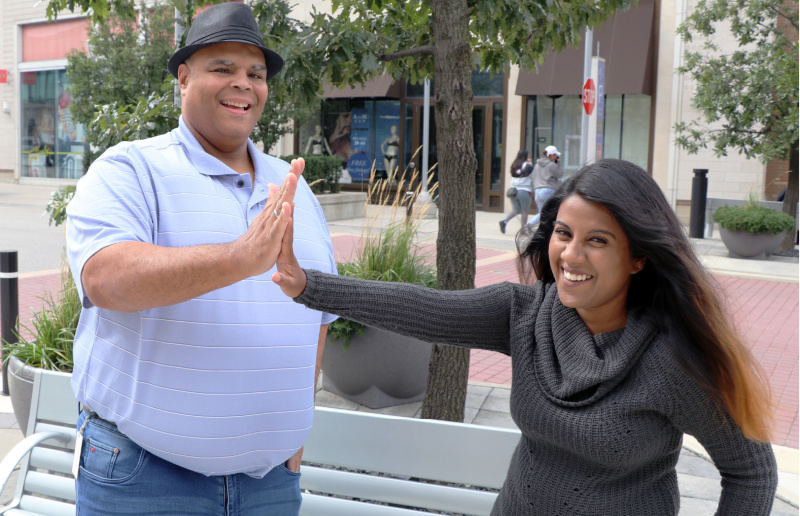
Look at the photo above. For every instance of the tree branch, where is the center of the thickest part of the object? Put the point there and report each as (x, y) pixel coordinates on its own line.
(427, 49)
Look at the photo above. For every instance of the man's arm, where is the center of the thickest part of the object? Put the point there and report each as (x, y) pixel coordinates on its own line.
(135, 276)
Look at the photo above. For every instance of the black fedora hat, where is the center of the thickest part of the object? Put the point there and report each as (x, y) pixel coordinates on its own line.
(225, 23)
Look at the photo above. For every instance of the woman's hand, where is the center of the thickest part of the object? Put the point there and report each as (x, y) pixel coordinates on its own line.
(290, 277)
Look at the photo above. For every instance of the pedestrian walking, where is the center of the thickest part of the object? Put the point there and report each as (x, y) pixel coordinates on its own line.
(547, 176)
(619, 345)
(520, 190)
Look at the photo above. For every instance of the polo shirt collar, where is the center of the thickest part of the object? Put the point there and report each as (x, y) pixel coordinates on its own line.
(209, 165)
(204, 162)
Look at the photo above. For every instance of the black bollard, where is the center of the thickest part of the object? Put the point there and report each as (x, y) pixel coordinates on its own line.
(697, 216)
(9, 305)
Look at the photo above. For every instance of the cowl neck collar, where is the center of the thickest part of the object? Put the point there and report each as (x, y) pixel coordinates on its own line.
(574, 368)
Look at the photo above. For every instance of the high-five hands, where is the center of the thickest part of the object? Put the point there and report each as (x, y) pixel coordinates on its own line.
(259, 247)
(290, 277)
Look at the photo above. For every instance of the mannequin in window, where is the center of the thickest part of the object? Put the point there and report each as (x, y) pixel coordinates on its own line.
(316, 141)
(390, 149)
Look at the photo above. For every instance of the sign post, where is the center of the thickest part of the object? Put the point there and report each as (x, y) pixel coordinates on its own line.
(597, 114)
(593, 96)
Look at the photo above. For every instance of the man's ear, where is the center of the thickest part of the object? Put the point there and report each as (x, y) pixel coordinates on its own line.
(183, 75)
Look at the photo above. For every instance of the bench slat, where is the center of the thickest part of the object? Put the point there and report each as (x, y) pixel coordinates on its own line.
(402, 492)
(435, 450)
(316, 505)
(44, 506)
(53, 460)
(54, 486)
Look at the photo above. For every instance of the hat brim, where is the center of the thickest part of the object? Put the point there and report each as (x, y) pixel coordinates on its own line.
(273, 61)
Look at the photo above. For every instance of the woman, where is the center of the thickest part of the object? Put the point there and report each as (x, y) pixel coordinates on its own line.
(546, 178)
(619, 348)
(521, 179)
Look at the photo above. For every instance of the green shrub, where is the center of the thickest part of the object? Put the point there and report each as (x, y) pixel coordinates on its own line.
(52, 330)
(389, 254)
(753, 218)
(322, 173)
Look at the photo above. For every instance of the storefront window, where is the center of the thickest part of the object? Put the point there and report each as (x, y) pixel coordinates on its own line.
(362, 133)
(52, 143)
(636, 129)
(556, 121)
(612, 134)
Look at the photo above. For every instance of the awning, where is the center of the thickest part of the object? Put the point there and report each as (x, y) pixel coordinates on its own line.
(626, 43)
(383, 86)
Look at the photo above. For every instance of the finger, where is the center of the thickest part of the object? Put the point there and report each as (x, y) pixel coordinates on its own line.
(297, 167)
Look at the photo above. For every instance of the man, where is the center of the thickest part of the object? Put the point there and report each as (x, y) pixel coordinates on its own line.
(195, 373)
(546, 179)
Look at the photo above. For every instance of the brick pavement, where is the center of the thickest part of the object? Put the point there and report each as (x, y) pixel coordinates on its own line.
(765, 312)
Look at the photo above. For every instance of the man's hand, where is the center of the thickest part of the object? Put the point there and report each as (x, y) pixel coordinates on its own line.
(293, 464)
(259, 247)
(134, 276)
(290, 277)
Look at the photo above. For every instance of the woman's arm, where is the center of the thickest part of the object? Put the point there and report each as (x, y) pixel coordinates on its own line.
(471, 318)
(748, 468)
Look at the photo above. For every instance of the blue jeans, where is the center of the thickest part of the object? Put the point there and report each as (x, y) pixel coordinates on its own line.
(520, 205)
(541, 195)
(117, 476)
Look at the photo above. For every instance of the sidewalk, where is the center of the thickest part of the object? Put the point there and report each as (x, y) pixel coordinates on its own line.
(763, 295)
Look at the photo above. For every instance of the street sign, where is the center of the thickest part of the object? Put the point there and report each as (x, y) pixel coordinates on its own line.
(589, 96)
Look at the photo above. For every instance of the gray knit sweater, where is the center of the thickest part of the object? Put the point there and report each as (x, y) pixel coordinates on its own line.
(601, 417)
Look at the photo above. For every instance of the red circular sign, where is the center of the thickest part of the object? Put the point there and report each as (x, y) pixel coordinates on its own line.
(589, 96)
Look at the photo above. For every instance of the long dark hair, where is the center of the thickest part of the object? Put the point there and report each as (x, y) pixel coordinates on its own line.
(522, 156)
(674, 288)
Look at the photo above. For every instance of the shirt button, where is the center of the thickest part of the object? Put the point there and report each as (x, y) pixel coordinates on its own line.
(240, 183)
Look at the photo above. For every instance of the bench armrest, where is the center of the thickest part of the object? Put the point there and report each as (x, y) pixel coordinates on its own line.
(22, 448)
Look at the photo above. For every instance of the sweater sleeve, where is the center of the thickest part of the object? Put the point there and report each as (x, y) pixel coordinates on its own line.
(748, 468)
(476, 318)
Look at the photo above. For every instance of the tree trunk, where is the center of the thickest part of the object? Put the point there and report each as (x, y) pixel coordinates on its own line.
(790, 200)
(455, 246)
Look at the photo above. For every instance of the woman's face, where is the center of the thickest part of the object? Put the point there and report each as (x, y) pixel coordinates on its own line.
(592, 263)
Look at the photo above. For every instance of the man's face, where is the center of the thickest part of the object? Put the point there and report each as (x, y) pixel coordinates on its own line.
(223, 91)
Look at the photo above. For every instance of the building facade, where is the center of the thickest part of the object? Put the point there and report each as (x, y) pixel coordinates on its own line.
(381, 122)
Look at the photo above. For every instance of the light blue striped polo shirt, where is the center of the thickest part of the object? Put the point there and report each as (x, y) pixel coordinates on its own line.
(222, 383)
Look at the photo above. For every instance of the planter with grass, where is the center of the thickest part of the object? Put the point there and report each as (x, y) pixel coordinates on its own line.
(45, 344)
(370, 366)
(751, 231)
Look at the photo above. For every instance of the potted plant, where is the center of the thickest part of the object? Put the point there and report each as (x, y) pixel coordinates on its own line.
(46, 342)
(752, 231)
(370, 366)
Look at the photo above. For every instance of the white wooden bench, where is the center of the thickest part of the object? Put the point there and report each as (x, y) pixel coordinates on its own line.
(45, 485)
(355, 463)
(362, 464)
(712, 203)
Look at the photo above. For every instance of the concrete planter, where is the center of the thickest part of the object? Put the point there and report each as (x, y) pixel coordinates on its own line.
(342, 205)
(379, 369)
(20, 388)
(742, 244)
